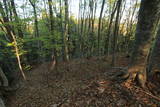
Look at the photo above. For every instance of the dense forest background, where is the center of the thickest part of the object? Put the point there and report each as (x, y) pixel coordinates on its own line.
(36, 30)
(33, 32)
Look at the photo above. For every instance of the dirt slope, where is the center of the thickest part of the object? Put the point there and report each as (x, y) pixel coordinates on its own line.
(80, 83)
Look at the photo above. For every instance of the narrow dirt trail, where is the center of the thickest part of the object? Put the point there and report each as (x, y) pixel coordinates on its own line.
(79, 83)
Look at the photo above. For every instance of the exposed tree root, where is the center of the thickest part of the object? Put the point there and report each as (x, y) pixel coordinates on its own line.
(141, 79)
(121, 75)
(149, 94)
(124, 74)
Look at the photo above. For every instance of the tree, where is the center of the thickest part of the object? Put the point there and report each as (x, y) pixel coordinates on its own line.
(130, 25)
(36, 30)
(52, 26)
(115, 33)
(99, 26)
(65, 37)
(147, 19)
(12, 37)
(33, 4)
(107, 39)
(153, 60)
(51, 15)
(18, 24)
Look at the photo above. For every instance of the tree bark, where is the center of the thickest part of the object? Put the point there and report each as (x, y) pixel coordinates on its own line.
(99, 26)
(147, 19)
(154, 60)
(11, 34)
(52, 27)
(51, 15)
(18, 24)
(65, 38)
(5, 22)
(115, 33)
(35, 18)
(107, 40)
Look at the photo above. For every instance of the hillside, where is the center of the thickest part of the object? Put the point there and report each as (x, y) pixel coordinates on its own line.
(81, 83)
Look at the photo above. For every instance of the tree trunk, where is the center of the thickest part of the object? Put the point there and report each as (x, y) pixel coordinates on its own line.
(36, 29)
(99, 26)
(147, 19)
(52, 27)
(11, 34)
(115, 33)
(65, 38)
(33, 4)
(6, 8)
(154, 59)
(5, 22)
(51, 15)
(82, 28)
(18, 24)
(107, 40)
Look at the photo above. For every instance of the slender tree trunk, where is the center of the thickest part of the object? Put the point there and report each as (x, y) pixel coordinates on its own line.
(93, 46)
(99, 26)
(61, 26)
(5, 21)
(107, 40)
(6, 9)
(51, 15)
(10, 11)
(13, 38)
(17, 55)
(18, 24)
(82, 28)
(115, 34)
(33, 4)
(52, 27)
(90, 33)
(36, 29)
(79, 27)
(65, 38)
(94, 16)
(90, 16)
(130, 30)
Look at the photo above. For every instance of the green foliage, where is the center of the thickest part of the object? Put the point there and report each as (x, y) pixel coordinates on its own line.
(27, 67)
(6, 48)
(33, 49)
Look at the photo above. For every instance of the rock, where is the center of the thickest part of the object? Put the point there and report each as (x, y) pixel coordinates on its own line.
(2, 103)
(121, 102)
(139, 105)
(54, 105)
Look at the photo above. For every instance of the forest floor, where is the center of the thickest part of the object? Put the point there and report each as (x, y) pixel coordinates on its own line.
(80, 83)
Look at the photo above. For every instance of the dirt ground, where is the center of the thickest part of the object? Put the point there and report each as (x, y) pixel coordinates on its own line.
(80, 83)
